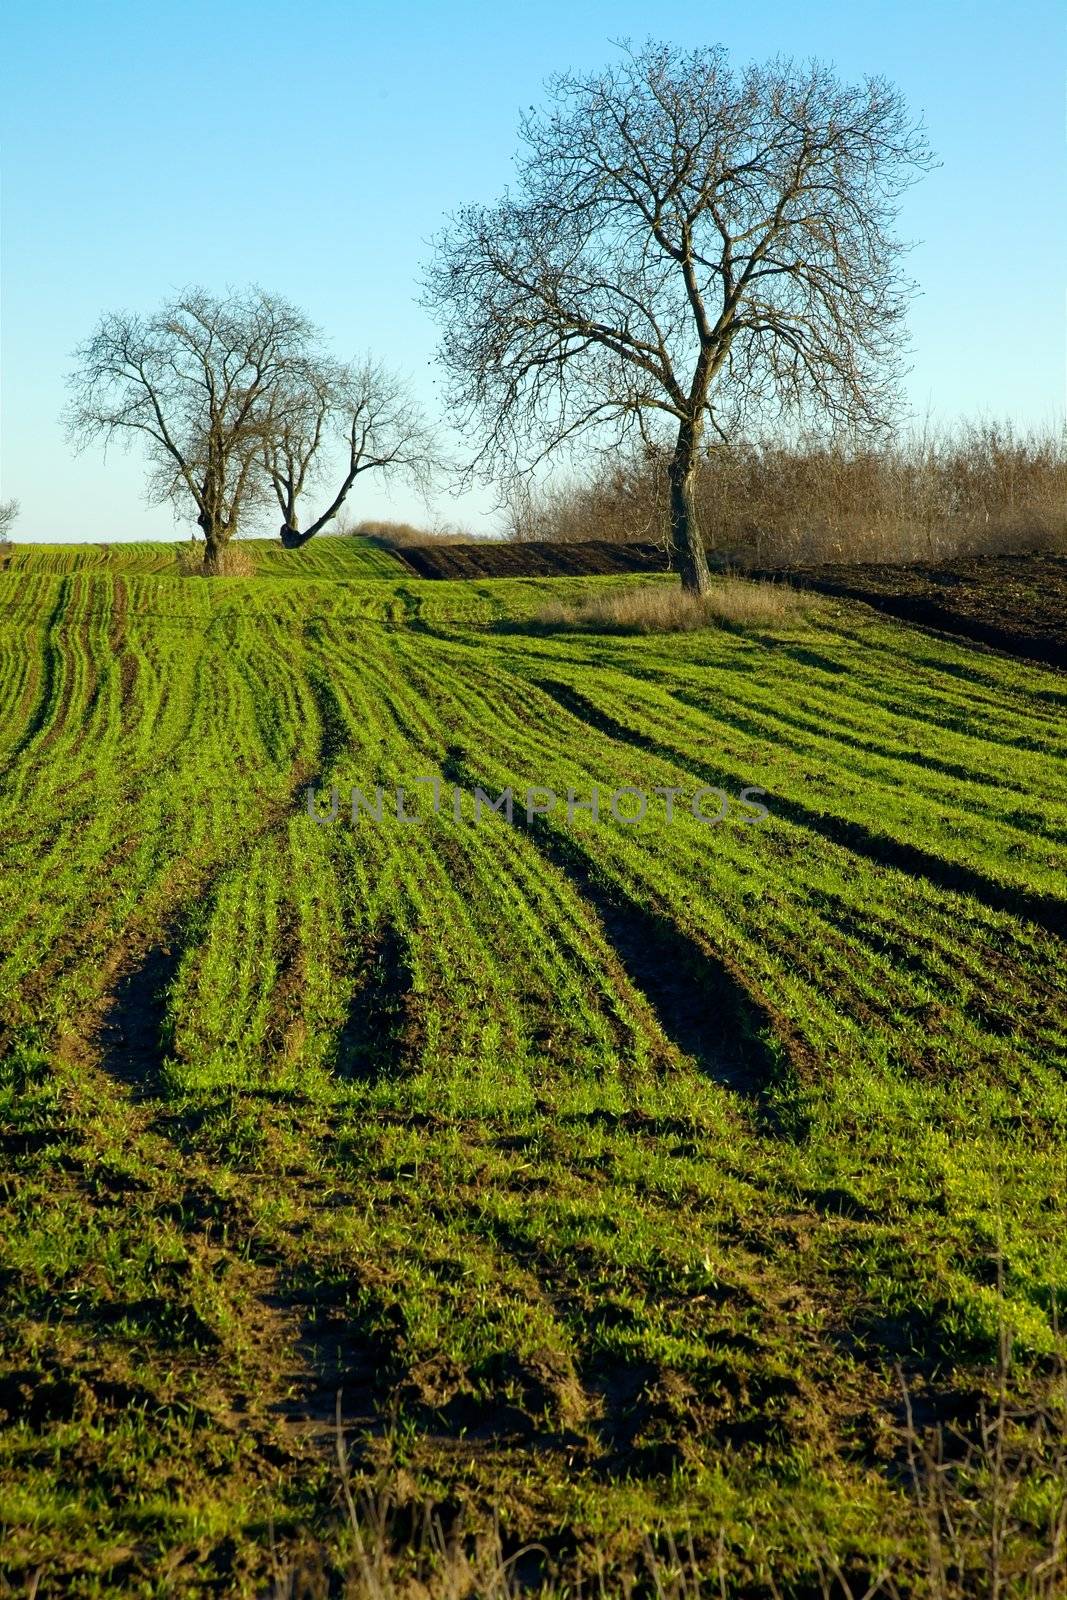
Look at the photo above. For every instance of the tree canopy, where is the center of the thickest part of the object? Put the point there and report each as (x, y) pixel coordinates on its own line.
(236, 403)
(686, 247)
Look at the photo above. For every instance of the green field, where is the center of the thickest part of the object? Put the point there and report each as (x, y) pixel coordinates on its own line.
(615, 1174)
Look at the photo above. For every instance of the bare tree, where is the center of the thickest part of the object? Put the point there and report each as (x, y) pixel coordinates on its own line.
(9, 510)
(686, 246)
(366, 412)
(201, 383)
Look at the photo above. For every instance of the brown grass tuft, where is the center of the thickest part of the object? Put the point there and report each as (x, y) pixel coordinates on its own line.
(668, 608)
(404, 536)
(233, 561)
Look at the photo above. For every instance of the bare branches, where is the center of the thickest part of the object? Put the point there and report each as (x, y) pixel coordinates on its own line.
(235, 402)
(199, 383)
(686, 246)
(9, 510)
(362, 413)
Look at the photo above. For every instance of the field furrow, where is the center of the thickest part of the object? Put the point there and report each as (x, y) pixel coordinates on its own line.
(610, 1162)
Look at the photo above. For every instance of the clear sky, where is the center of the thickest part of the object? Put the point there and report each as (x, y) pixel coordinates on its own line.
(313, 147)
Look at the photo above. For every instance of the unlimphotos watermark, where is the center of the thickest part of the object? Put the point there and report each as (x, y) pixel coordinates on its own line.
(627, 806)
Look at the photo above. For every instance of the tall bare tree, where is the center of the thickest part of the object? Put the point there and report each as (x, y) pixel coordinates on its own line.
(365, 413)
(9, 510)
(202, 383)
(686, 247)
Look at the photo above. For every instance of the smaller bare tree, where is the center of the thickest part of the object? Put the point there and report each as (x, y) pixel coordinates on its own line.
(365, 414)
(201, 383)
(9, 510)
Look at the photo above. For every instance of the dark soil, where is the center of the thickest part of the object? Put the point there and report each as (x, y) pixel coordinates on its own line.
(1013, 603)
(540, 559)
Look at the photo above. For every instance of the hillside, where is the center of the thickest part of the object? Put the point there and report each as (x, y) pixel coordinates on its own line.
(323, 558)
(615, 1174)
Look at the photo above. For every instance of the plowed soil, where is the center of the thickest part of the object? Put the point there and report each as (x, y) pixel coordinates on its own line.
(540, 559)
(1012, 603)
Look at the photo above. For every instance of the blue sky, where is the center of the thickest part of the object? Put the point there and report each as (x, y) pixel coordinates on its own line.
(314, 148)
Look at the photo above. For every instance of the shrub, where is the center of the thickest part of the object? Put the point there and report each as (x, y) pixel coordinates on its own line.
(983, 489)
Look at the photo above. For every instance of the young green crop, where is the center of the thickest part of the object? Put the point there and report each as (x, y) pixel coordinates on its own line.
(608, 1171)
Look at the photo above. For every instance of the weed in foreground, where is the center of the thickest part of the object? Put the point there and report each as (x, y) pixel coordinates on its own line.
(971, 1529)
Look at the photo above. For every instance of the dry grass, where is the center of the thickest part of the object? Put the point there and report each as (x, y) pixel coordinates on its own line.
(233, 561)
(984, 489)
(403, 536)
(668, 608)
(986, 1519)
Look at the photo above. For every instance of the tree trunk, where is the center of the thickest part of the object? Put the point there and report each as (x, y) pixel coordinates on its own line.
(686, 542)
(212, 542)
(216, 538)
(291, 536)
